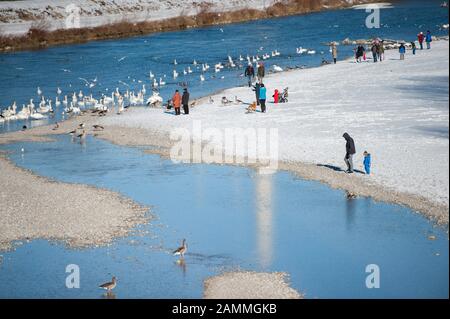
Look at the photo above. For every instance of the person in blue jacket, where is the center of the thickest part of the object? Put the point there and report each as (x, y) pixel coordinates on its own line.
(402, 51)
(262, 97)
(366, 162)
(428, 40)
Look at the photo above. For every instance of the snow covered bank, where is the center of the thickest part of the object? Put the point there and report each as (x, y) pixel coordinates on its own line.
(396, 110)
(16, 17)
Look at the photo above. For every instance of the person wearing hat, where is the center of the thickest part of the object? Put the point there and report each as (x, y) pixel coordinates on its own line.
(185, 101)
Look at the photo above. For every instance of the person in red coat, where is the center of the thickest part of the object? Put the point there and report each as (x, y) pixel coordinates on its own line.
(420, 37)
(177, 102)
(276, 96)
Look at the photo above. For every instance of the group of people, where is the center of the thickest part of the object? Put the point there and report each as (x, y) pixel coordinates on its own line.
(179, 100)
(350, 151)
(250, 73)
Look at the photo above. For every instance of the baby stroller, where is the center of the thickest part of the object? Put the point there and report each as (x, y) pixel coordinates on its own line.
(284, 96)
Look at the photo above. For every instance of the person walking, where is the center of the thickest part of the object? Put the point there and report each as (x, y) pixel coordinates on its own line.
(249, 73)
(185, 101)
(350, 150)
(334, 52)
(420, 38)
(374, 52)
(381, 50)
(176, 100)
(428, 40)
(262, 97)
(402, 51)
(261, 72)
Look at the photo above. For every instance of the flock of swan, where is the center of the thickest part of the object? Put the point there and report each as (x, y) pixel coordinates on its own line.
(74, 103)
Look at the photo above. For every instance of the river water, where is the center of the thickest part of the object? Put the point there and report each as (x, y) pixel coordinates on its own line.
(126, 63)
(233, 218)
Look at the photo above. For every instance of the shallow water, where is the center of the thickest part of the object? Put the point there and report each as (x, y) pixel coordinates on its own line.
(232, 218)
(123, 63)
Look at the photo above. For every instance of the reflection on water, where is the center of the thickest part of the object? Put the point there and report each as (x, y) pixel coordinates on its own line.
(264, 218)
(232, 218)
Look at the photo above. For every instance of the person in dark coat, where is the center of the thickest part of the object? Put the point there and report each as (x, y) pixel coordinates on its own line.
(256, 88)
(250, 74)
(185, 101)
(350, 150)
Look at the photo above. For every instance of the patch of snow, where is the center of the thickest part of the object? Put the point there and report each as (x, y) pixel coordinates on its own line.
(396, 110)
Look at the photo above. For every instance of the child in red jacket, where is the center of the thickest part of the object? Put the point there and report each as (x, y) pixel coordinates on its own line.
(276, 96)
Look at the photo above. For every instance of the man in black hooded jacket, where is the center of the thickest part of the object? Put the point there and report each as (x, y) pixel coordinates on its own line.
(350, 150)
(185, 101)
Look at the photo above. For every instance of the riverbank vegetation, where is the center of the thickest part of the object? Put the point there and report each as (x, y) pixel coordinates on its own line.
(40, 36)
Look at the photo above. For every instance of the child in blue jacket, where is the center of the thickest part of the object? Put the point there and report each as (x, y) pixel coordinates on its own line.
(367, 162)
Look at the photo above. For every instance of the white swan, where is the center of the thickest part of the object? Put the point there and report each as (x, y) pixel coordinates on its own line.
(161, 82)
(202, 77)
(151, 75)
(276, 68)
(155, 100)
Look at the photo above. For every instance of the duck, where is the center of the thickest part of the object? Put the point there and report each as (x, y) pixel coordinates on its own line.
(98, 127)
(181, 250)
(109, 285)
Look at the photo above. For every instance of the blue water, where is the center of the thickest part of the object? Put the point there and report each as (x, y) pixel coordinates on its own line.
(21, 73)
(233, 218)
